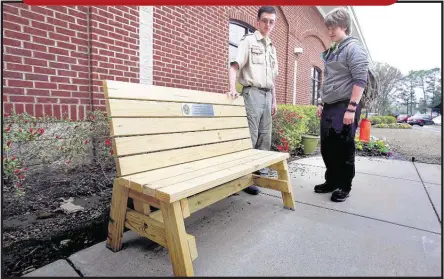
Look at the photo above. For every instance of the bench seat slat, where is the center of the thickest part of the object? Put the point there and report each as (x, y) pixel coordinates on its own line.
(151, 126)
(124, 90)
(159, 174)
(150, 188)
(151, 143)
(143, 162)
(140, 108)
(191, 187)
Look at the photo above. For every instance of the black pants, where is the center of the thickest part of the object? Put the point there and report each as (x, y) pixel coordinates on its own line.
(338, 145)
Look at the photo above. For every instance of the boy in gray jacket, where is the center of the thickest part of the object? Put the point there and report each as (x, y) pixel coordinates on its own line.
(345, 77)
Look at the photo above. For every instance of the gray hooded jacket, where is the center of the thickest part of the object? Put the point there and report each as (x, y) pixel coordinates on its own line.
(347, 67)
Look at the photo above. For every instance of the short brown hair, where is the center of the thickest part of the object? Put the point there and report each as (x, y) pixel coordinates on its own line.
(265, 9)
(339, 17)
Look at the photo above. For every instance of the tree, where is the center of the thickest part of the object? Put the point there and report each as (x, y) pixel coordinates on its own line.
(433, 87)
(389, 77)
(422, 105)
(405, 92)
(420, 81)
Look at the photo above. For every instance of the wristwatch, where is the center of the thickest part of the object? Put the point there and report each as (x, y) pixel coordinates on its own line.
(353, 103)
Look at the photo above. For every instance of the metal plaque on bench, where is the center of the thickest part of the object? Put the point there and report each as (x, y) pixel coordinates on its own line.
(197, 110)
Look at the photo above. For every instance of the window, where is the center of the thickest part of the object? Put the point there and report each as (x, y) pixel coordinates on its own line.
(316, 85)
(237, 31)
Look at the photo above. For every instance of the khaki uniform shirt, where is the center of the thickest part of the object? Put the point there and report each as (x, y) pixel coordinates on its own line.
(257, 61)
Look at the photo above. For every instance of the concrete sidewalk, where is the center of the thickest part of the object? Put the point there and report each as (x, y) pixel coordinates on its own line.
(390, 226)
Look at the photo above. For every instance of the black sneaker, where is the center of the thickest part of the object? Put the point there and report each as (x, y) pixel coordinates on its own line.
(340, 195)
(252, 190)
(324, 188)
(262, 172)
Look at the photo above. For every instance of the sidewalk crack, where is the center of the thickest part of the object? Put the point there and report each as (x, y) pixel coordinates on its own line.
(428, 195)
(74, 267)
(358, 215)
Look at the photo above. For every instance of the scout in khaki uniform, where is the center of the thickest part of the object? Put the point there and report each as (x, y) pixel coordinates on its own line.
(256, 68)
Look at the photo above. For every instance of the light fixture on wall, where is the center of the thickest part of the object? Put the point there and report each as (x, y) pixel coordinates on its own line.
(297, 50)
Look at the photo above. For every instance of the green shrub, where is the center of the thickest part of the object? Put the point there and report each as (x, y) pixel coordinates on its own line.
(312, 121)
(389, 119)
(393, 126)
(33, 144)
(403, 126)
(289, 124)
(382, 125)
(373, 147)
(375, 120)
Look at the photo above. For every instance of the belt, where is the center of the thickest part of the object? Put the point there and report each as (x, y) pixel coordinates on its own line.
(260, 88)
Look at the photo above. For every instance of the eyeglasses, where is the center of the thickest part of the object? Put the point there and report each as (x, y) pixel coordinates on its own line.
(266, 21)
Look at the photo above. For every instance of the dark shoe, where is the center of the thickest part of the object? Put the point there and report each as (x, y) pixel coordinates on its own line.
(252, 190)
(340, 195)
(262, 172)
(324, 188)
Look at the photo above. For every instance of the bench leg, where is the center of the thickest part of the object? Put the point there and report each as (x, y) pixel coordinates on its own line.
(177, 239)
(117, 217)
(282, 169)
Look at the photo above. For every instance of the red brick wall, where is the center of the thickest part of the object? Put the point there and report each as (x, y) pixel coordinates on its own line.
(47, 66)
(115, 47)
(308, 32)
(191, 47)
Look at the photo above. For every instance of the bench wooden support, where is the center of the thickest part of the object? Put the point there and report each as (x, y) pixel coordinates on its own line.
(154, 230)
(179, 251)
(116, 224)
(211, 196)
(169, 159)
(281, 184)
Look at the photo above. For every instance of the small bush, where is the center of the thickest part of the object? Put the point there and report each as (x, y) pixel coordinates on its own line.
(311, 120)
(382, 120)
(393, 126)
(289, 124)
(31, 144)
(382, 125)
(374, 147)
(375, 120)
(389, 119)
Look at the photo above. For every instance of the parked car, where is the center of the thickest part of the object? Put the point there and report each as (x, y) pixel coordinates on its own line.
(437, 120)
(402, 118)
(420, 119)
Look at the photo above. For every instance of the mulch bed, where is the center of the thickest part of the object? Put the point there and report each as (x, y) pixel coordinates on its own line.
(37, 232)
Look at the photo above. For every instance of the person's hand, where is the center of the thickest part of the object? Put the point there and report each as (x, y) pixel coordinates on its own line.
(349, 117)
(319, 111)
(273, 109)
(233, 94)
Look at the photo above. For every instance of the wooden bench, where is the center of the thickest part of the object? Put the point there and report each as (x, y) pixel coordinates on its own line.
(179, 151)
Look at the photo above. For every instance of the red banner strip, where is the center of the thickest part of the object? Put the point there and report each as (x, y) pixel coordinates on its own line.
(212, 3)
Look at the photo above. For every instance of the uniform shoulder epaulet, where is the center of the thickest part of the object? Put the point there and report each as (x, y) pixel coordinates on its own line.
(246, 36)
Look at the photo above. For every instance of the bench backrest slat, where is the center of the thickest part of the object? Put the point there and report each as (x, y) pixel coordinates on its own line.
(140, 108)
(152, 128)
(134, 91)
(141, 144)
